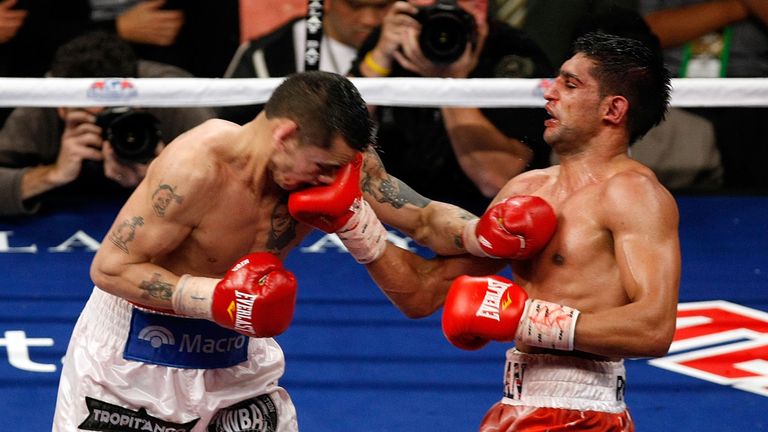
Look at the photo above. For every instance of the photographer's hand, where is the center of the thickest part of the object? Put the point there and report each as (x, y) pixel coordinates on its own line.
(80, 141)
(412, 58)
(397, 21)
(11, 20)
(126, 174)
(148, 23)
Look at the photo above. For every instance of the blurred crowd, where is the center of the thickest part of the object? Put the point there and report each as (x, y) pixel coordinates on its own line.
(65, 152)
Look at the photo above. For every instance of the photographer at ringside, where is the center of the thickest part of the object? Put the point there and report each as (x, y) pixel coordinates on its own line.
(455, 154)
(63, 155)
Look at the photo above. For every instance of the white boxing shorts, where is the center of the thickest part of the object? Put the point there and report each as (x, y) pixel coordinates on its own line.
(128, 369)
(560, 393)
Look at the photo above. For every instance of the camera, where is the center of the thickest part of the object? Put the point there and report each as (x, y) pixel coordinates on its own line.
(445, 30)
(133, 134)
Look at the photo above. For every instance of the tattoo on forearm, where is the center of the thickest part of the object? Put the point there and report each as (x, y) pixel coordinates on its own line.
(125, 233)
(394, 192)
(283, 228)
(163, 196)
(156, 288)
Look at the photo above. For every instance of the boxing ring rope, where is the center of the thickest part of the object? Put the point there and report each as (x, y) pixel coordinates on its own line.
(420, 92)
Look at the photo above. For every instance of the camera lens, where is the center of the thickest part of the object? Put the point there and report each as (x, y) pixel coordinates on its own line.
(442, 38)
(445, 31)
(134, 135)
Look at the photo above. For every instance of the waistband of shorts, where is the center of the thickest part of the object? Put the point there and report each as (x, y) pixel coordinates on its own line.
(109, 314)
(566, 382)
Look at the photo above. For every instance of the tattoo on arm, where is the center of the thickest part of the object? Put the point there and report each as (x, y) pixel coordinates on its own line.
(388, 189)
(462, 214)
(156, 288)
(282, 230)
(163, 196)
(125, 233)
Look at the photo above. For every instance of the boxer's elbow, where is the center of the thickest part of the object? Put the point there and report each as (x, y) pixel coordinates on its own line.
(105, 274)
(657, 340)
(420, 305)
(417, 311)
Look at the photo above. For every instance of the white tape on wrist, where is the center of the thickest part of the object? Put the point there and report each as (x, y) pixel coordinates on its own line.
(193, 296)
(471, 244)
(547, 325)
(364, 235)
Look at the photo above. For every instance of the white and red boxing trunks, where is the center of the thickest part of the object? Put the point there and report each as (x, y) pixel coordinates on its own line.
(559, 393)
(127, 369)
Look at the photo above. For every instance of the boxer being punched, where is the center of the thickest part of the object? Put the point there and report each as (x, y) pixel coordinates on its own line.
(190, 285)
(593, 244)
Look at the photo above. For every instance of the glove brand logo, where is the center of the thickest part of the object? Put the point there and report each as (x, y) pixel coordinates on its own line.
(507, 301)
(484, 241)
(258, 414)
(244, 309)
(241, 264)
(103, 416)
(157, 336)
(490, 308)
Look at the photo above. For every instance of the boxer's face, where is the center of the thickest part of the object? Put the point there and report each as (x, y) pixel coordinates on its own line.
(573, 102)
(302, 165)
(351, 21)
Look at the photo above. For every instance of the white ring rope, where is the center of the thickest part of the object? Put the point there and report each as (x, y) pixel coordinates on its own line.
(422, 92)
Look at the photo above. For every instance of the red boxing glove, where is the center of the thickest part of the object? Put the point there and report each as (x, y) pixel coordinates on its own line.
(480, 309)
(256, 297)
(517, 228)
(330, 207)
(340, 208)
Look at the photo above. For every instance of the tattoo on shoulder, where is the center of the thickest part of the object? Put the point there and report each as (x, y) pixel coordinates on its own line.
(282, 228)
(164, 196)
(156, 288)
(125, 232)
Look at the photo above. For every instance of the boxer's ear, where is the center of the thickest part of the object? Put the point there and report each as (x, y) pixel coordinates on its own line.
(285, 131)
(615, 109)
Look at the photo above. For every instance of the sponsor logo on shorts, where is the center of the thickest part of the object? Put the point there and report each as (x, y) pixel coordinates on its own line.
(257, 414)
(513, 379)
(183, 342)
(621, 386)
(157, 336)
(103, 416)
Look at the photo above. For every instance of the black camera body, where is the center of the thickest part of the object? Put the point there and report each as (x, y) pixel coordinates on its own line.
(133, 134)
(445, 31)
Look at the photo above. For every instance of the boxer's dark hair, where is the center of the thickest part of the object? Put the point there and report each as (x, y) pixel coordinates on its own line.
(324, 105)
(626, 67)
(95, 55)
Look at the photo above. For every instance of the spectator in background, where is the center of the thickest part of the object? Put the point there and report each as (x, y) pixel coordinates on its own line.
(199, 36)
(722, 38)
(457, 155)
(538, 19)
(345, 26)
(50, 154)
(30, 32)
(681, 150)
